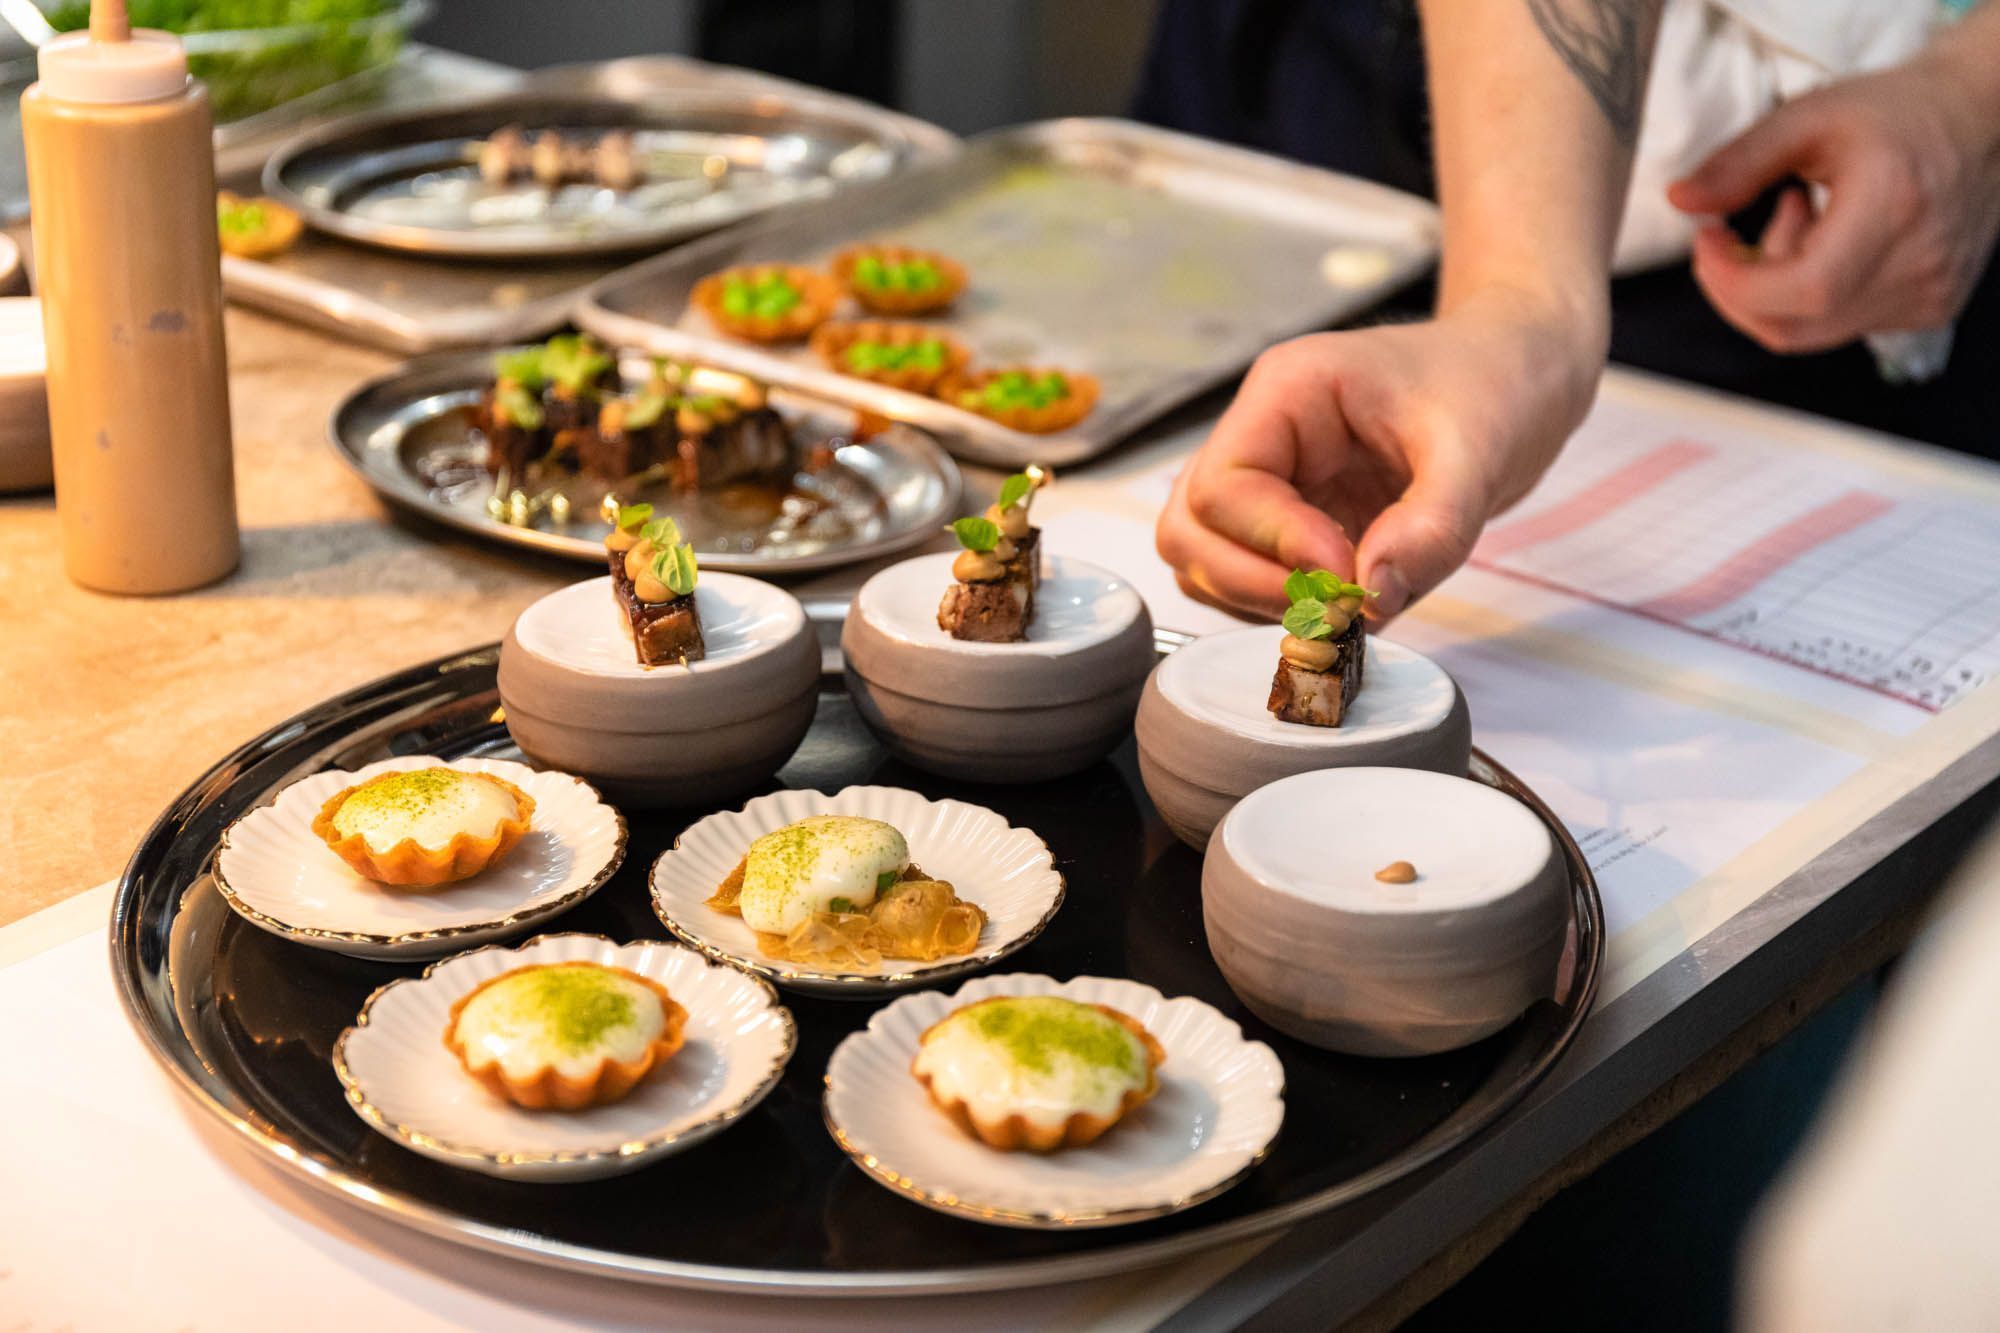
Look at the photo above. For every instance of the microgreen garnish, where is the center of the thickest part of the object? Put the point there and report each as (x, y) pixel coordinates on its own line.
(1015, 489)
(1311, 593)
(840, 905)
(633, 517)
(674, 566)
(976, 534)
(885, 879)
(646, 407)
(522, 365)
(575, 361)
(662, 531)
(516, 405)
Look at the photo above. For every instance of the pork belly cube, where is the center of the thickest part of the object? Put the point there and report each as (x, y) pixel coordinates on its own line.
(1321, 698)
(663, 633)
(994, 612)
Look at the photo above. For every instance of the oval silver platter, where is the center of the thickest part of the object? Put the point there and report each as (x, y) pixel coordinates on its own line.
(244, 1023)
(409, 180)
(406, 434)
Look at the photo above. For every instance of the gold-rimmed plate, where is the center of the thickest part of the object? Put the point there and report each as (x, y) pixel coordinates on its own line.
(1217, 1111)
(405, 1083)
(282, 877)
(1006, 871)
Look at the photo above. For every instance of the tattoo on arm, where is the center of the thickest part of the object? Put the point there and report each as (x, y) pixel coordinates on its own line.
(1604, 43)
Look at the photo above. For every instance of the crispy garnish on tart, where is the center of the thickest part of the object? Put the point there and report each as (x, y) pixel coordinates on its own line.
(766, 303)
(1037, 1072)
(1321, 657)
(897, 280)
(1036, 401)
(423, 827)
(653, 577)
(565, 1035)
(913, 357)
(839, 890)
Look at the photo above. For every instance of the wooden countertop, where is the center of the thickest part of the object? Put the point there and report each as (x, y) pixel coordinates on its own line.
(114, 705)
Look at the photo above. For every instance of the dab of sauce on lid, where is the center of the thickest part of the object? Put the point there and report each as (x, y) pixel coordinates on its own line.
(1397, 872)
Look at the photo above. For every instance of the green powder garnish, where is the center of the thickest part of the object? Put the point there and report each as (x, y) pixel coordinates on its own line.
(577, 1003)
(409, 793)
(1035, 1029)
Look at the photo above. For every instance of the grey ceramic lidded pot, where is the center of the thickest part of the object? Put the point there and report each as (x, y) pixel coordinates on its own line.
(1318, 946)
(577, 699)
(999, 712)
(1206, 738)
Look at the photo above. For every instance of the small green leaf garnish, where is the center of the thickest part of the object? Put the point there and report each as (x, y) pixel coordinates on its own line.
(631, 518)
(575, 361)
(976, 534)
(840, 905)
(1306, 619)
(646, 407)
(518, 407)
(662, 531)
(675, 567)
(1015, 489)
(885, 879)
(1320, 585)
(523, 366)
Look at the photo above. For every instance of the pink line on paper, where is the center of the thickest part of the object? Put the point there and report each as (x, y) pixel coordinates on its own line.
(1766, 556)
(1596, 500)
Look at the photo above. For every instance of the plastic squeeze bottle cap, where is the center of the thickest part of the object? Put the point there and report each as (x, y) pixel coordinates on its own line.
(111, 61)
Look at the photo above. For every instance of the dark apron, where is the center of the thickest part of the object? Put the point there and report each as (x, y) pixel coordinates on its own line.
(1340, 83)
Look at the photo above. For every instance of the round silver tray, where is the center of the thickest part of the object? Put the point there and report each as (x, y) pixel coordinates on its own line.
(408, 180)
(244, 1022)
(894, 490)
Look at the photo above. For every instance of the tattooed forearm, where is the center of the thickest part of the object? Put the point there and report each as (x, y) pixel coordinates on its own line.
(1605, 44)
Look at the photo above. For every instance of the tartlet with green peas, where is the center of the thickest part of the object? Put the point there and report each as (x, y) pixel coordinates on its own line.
(254, 228)
(767, 303)
(897, 280)
(1035, 400)
(914, 357)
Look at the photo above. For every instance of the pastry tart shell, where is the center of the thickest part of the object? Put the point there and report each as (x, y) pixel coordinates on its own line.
(831, 341)
(818, 295)
(408, 865)
(951, 280)
(281, 230)
(1059, 415)
(1017, 1133)
(549, 1088)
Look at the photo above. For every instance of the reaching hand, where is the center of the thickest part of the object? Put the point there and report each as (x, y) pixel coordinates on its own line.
(1382, 451)
(1910, 162)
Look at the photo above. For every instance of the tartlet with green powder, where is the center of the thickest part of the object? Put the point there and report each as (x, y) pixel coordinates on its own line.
(766, 303)
(564, 1036)
(898, 280)
(1034, 400)
(421, 828)
(1037, 1072)
(913, 357)
(254, 228)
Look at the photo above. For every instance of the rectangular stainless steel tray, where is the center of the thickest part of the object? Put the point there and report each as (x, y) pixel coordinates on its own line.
(411, 303)
(1158, 262)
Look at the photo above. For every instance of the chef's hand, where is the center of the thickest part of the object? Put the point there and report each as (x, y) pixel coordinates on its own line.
(1910, 160)
(1382, 450)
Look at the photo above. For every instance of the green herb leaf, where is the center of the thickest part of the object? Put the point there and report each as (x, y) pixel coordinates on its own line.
(885, 879)
(1015, 489)
(519, 408)
(1306, 619)
(634, 516)
(662, 532)
(976, 534)
(840, 905)
(523, 366)
(646, 407)
(675, 567)
(575, 361)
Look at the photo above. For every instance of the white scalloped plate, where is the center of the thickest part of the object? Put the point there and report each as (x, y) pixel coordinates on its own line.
(404, 1082)
(280, 875)
(1220, 1103)
(1007, 871)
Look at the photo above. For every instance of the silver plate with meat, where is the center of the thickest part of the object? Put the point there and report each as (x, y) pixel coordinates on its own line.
(802, 485)
(551, 175)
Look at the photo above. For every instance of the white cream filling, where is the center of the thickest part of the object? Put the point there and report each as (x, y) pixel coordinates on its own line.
(510, 1022)
(430, 815)
(793, 872)
(990, 1076)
